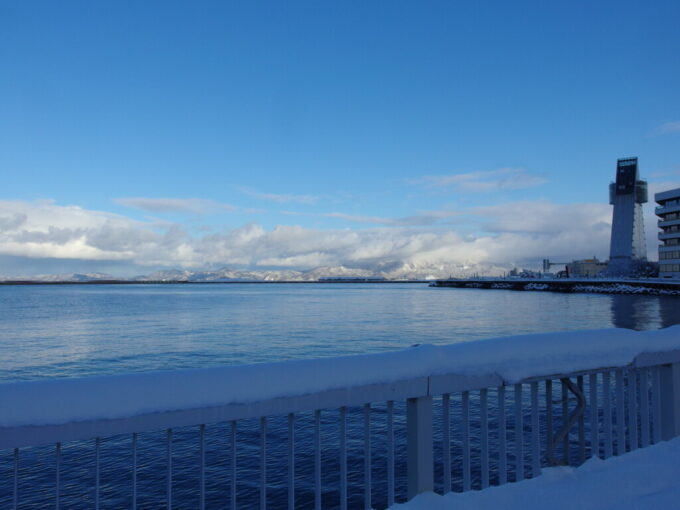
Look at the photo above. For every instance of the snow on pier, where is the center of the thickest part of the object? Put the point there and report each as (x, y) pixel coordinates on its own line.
(655, 287)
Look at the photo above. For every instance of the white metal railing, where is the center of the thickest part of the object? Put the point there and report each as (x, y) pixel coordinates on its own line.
(461, 431)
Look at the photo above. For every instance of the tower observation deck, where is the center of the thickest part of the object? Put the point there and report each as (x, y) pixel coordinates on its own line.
(628, 247)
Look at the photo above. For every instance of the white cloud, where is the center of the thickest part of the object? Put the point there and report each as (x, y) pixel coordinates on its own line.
(658, 186)
(423, 218)
(515, 232)
(279, 198)
(669, 173)
(360, 219)
(543, 217)
(43, 229)
(668, 127)
(12, 221)
(181, 205)
(485, 181)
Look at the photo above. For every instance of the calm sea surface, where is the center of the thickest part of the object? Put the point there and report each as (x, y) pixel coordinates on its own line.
(78, 330)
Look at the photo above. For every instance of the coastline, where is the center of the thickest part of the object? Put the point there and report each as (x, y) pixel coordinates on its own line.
(183, 282)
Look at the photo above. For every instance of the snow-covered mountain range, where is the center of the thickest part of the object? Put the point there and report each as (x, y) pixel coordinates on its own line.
(389, 271)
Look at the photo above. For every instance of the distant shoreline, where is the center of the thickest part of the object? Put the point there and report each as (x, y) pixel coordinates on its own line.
(183, 282)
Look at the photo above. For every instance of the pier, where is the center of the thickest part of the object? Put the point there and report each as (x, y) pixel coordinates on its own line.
(654, 287)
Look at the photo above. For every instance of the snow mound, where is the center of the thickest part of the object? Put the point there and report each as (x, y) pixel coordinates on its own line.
(642, 479)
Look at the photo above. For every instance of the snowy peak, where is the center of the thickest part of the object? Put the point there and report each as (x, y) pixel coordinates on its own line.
(393, 270)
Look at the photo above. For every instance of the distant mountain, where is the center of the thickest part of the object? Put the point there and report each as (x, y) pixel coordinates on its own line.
(219, 275)
(70, 277)
(429, 271)
(396, 270)
(337, 271)
(390, 271)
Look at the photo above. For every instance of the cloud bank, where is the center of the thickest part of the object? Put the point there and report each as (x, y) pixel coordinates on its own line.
(507, 234)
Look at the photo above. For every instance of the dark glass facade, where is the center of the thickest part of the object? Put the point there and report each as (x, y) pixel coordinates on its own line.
(626, 175)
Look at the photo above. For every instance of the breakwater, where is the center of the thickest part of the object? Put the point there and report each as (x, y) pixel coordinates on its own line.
(654, 287)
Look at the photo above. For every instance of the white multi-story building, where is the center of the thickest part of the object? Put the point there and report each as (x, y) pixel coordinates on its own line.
(668, 212)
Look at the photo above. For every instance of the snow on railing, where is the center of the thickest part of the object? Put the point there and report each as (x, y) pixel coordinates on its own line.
(448, 404)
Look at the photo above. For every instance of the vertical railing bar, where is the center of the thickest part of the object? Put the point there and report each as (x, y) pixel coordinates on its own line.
(16, 479)
(168, 488)
(97, 444)
(446, 441)
(291, 461)
(519, 434)
(263, 463)
(565, 420)
(594, 418)
(201, 439)
(632, 410)
(656, 404)
(232, 447)
(465, 408)
(484, 436)
(367, 457)
(581, 425)
(390, 453)
(343, 458)
(57, 489)
(535, 432)
(607, 410)
(620, 415)
(644, 405)
(134, 471)
(502, 438)
(317, 459)
(548, 413)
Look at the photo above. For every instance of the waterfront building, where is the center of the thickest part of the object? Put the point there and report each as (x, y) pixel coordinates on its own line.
(668, 212)
(628, 250)
(586, 268)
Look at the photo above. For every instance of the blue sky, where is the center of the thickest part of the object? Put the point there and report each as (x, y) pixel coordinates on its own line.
(301, 134)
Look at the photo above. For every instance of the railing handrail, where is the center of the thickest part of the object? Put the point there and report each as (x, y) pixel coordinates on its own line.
(52, 401)
(642, 389)
(433, 384)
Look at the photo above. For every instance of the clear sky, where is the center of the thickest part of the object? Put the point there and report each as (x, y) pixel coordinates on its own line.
(144, 135)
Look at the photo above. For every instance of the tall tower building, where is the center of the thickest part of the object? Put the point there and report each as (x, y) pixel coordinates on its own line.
(628, 248)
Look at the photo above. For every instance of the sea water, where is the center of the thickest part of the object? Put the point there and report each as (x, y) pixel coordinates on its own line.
(80, 330)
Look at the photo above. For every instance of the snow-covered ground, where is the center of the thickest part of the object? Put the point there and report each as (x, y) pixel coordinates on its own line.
(644, 479)
(58, 401)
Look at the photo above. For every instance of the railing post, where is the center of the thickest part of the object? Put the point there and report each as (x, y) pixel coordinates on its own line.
(670, 401)
(419, 445)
